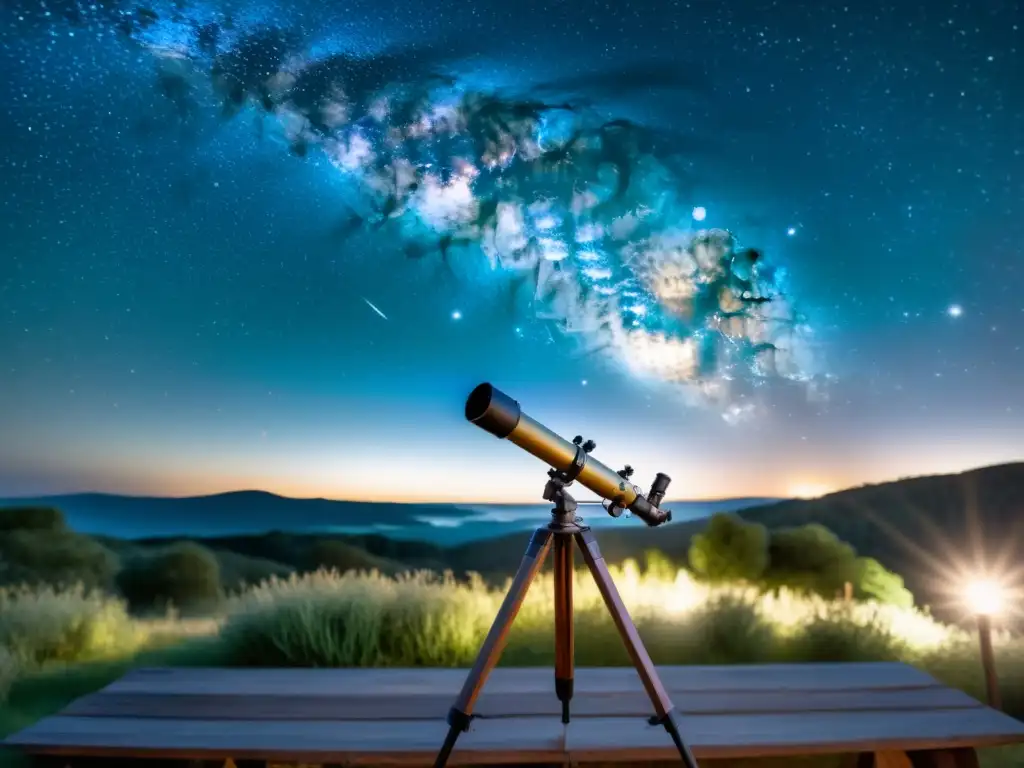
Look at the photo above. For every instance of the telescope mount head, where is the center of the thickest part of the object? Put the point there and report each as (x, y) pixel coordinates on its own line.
(564, 512)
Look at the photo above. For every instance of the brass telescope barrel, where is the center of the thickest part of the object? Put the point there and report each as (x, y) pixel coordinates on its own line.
(494, 411)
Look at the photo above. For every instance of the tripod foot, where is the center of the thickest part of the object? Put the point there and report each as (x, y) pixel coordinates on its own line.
(563, 690)
(458, 722)
(671, 724)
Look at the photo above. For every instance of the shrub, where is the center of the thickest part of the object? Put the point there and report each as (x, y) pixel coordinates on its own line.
(32, 519)
(730, 549)
(55, 557)
(184, 576)
(810, 558)
(873, 581)
(839, 635)
(330, 619)
(240, 571)
(45, 625)
(335, 555)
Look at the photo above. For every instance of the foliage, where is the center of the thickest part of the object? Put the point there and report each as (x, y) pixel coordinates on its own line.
(730, 549)
(809, 558)
(239, 571)
(56, 557)
(31, 519)
(874, 582)
(185, 576)
(337, 555)
(42, 626)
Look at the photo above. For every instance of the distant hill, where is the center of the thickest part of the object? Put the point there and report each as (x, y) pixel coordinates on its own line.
(239, 512)
(923, 528)
(256, 512)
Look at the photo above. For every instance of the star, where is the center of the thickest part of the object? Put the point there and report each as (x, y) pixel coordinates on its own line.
(791, 231)
(456, 315)
(699, 213)
(955, 310)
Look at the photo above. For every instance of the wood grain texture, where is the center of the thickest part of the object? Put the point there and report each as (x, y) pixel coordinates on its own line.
(396, 716)
(340, 706)
(525, 739)
(793, 734)
(503, 680)
(515, 740)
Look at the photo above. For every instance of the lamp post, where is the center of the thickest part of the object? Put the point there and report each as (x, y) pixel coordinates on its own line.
(986, 599)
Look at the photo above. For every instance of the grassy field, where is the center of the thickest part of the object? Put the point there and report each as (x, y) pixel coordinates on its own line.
(57, 645)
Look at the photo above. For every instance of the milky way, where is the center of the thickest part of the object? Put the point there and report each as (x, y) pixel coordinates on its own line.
(583, 214)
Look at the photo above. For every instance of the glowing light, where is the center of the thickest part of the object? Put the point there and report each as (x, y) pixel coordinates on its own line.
(984, 597)
(808, 490)
(584, 382)
(791, 231)
(699, 213)
(456, 315)
(955, 310)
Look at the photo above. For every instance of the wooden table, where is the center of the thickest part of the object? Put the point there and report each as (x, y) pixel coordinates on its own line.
(893, 712)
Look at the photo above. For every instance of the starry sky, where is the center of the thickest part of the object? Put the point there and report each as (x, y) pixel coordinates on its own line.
(178, 320)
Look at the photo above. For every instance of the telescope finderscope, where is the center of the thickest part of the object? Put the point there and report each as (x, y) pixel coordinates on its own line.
(494, 411)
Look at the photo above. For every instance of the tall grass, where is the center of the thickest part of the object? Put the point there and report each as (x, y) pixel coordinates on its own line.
(44, 626)
(328, 619)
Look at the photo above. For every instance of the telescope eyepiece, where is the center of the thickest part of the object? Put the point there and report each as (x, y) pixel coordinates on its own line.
(492, 410)
(660, 484)
(658, 489)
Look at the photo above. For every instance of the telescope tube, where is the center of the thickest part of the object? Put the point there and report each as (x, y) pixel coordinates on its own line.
(494, 411)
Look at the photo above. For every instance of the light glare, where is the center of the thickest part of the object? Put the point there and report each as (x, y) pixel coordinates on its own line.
(984, 596)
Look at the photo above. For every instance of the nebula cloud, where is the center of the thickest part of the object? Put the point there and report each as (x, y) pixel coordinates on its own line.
(580, 213)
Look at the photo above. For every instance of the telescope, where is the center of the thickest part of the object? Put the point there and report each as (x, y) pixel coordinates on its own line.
(493, 411)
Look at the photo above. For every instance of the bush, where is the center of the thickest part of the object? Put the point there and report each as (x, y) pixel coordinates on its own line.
(32, 519)
(184, 576)
(730, 549)
(810, 558)
(240, 571)
(329, 619)
(55, 557)
(335, 555)
(838, 635)
(874, 582)
(44, 626)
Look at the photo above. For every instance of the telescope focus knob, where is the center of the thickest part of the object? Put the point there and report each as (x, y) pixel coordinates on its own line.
(626, 472)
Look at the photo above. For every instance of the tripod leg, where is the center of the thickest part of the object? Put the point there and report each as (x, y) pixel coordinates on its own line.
(564, 645)
(461, 713)
(665, 712)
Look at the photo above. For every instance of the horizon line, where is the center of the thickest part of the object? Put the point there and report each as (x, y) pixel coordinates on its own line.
(450, 502)
(454, 503)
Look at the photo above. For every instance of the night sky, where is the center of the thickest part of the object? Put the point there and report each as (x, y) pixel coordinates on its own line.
(179, 316)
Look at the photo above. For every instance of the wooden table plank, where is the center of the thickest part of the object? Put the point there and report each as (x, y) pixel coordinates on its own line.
(505, 680)
(342, 706)
(617, 739)
(521, 739)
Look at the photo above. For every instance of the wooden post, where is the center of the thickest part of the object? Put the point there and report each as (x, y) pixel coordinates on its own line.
(848, 592)
(988, 661)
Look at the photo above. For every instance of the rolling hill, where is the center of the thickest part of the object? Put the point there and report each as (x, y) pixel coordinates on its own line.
(924, 528)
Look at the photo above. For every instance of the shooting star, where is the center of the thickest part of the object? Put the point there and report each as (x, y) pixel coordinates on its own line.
(372, 306)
